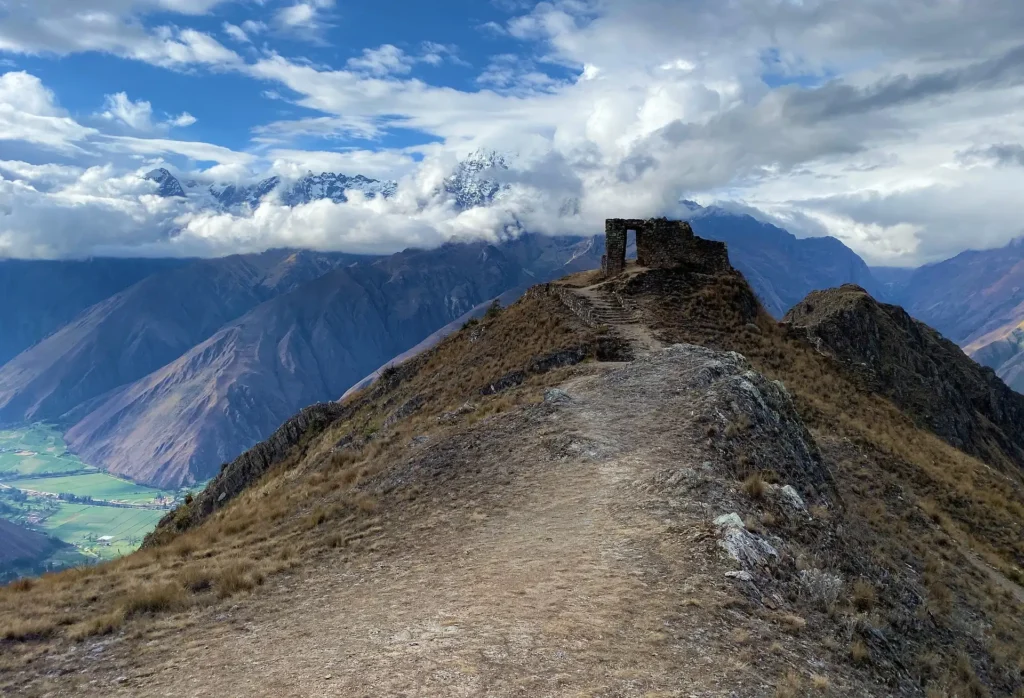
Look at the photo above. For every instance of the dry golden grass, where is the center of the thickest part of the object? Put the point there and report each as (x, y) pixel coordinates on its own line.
(754, 486)
(863, 595)
(790, 686)
(859, 652)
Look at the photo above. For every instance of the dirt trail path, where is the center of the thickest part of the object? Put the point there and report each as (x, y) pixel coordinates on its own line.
(571, 586)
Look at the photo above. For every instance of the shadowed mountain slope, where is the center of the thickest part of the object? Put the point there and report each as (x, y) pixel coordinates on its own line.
(41, 296)
(180, 423)
(780, 267)
(928, 376)
(141, 328)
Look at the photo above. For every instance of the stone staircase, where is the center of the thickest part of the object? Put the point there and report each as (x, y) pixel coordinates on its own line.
(606, 309)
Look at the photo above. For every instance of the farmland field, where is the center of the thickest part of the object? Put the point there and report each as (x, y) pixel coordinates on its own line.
(47, 489)
(95, 485)
(83, 525)
(36, 450)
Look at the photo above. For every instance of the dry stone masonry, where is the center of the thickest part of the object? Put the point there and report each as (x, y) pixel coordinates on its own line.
(660, 243)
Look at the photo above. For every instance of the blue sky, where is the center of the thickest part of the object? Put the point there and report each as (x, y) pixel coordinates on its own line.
(890, 126)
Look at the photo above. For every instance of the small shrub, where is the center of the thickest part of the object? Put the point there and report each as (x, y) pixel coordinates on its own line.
(859, 652)
(23, 584)
(493, 310)
(863, 595)
(821, 587)
(754, 486)
(791, 686)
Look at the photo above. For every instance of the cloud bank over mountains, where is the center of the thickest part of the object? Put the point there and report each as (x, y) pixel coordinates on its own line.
(889, 125)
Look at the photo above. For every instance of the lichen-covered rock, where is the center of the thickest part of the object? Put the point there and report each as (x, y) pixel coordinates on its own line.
(746, 548)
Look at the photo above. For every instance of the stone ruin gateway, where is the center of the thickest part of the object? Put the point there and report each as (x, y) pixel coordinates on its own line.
(660, 244)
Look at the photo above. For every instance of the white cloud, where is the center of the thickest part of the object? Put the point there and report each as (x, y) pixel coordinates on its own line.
(893, 126)
(29, 113)
(136, 115)
(381, 61)
(304, 19)
(63, 27)
(182, 120)
(236, 32)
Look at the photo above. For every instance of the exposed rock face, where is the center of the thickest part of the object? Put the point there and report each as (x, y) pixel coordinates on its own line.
(167, 184)
(248, 468)
(926, 375)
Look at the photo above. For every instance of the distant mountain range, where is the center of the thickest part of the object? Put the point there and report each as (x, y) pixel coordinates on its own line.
(235, 197)
(976, 299)
(470, 184)
(161, 370)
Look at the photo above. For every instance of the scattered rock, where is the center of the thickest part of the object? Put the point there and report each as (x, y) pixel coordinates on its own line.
(792, 497)
(404, 411)
(454, 415)
(729, 521)
(741, 575)
(744, 547)
(557, 396)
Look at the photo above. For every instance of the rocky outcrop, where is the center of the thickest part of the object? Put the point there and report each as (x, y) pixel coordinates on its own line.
(243, 471)
(925, 374)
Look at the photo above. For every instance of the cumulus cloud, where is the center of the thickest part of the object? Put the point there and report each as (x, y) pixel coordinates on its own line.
(384, 60)
(29, 113)
(305, 19)
(138, 115)
(63, 27)
(887, 124)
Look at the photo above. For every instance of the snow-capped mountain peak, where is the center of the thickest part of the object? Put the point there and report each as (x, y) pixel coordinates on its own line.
(470, 184)
(239, 197)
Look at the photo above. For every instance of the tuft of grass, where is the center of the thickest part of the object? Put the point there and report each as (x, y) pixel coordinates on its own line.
(863, 595)
(100, 625)
(820, 683)
(859, 652)
(790, 686)
(236, 578)
(792, 623)
(755, 486)
(365, 503)
(23, 629)
(195, 578)
(153, 598)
